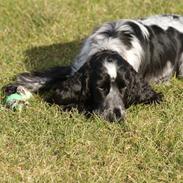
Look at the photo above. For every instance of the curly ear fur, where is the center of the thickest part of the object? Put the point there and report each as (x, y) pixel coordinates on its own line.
(73, 92)
(137, 90)
(66, 92)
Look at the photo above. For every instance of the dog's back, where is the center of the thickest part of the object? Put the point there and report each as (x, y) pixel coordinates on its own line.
(153, 45)
(165, 21)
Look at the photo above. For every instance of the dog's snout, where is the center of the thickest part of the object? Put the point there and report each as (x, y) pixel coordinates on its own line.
(117, 113)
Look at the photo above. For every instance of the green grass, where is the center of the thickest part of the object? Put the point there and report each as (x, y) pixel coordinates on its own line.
(43, 144)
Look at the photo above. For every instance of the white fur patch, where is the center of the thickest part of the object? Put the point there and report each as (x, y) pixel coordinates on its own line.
(165, 22)
(135, 55)
(111, 69)
(180, 69)
(168, 70)
(165, 74)
(106, 44)
(121, 26)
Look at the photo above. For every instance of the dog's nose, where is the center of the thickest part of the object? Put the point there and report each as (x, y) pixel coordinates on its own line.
(117, 114)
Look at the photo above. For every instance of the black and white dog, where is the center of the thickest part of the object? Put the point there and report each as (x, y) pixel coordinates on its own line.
(115, 66)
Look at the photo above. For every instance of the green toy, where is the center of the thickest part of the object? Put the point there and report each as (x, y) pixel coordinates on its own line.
(18, 100)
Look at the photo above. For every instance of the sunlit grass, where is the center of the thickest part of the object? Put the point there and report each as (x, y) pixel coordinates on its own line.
(44, 144)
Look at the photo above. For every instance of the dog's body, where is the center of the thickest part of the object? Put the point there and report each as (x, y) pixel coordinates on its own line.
(152, 46)
(115, 65)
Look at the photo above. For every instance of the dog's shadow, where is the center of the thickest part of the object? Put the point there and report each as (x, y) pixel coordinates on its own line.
(44, 57)
(41, 58)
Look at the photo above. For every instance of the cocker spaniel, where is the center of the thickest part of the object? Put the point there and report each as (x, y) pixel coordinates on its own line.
(115, 66)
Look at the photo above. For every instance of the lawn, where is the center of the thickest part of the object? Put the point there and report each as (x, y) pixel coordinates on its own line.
(44, 144)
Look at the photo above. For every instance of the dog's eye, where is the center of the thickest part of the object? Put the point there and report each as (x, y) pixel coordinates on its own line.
(102, 88)
(121, 84)
(103, 85)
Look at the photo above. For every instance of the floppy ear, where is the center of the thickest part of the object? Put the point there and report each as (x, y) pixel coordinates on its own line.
(137, 90)
(66, 92)
(72, 92)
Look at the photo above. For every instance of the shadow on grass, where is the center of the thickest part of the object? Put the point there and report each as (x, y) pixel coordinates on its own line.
(43, 57)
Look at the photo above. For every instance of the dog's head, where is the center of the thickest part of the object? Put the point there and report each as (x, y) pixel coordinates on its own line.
(105, 85)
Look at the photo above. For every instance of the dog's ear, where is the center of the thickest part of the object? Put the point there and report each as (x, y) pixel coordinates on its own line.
(137, 90)
(72, 92)
(66, 92)
(84, 102)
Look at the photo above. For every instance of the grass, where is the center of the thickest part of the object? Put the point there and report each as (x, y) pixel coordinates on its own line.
(42, 144)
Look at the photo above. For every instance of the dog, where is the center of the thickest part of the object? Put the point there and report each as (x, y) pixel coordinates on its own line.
(115, 67)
